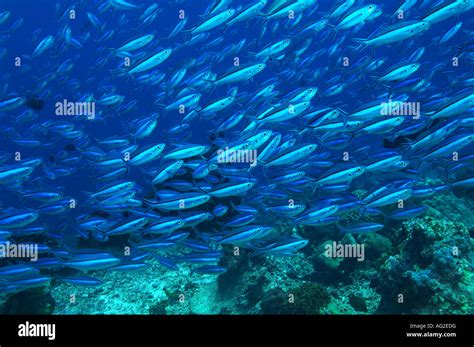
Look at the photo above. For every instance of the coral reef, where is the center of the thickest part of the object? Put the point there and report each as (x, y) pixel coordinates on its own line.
(308, 298)
(431, 270)
(419, 266)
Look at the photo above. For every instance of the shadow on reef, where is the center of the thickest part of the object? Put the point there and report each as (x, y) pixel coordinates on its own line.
(32, 301)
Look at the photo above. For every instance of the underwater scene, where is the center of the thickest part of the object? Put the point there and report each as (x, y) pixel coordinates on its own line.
(236, 157)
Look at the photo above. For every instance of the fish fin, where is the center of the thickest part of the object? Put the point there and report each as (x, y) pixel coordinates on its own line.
(362, 44)
(342, 111)
(341, 231)
(226, 27)
(252, 118)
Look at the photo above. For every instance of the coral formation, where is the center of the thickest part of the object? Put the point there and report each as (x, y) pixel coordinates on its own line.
(308, 298)
(431, 270)
(421, 265)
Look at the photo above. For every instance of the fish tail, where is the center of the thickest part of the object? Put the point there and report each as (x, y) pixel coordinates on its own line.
(341, 230)
(320, 142)
(362, 44)
(359, 40)
(334, 30)
(163, 106)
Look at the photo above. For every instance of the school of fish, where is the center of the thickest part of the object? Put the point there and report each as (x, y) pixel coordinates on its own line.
(232, 128)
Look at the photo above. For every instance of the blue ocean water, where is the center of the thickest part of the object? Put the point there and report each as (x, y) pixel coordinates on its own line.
(306, 83)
